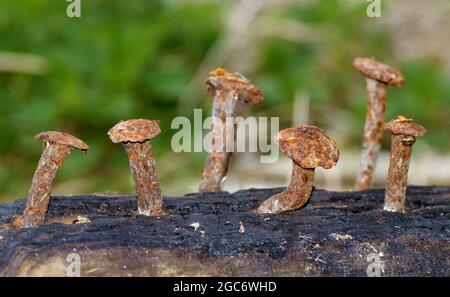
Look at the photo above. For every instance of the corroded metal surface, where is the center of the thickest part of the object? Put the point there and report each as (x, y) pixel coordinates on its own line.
(404, 132)
(404, 126)
(379, 71)
(135, 135)
(62, 138)
(308, 147)
(214, 172)
(379, 76)
(41, 185)
(221, 80)
(296, 194)
(58, 147)
(143, 169)
(373, 131)
(137, 130)
(398, 175)
(216, 165)
(230, 92)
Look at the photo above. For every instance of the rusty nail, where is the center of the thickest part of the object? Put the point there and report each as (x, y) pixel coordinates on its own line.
(135, 136)
(230, 91)
(404, 132)
(308, 147)
(58, 147)
(379, 76)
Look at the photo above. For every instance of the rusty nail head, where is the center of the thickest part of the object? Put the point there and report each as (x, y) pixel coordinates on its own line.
(221, 80)
(136, 130)
(378, 71)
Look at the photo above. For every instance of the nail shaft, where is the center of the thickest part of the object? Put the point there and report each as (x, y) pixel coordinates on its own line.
(216, 165)
(143, 169)
(373, 131)
(41, 185)
(296, 194)
(398, 175)
(59, 146)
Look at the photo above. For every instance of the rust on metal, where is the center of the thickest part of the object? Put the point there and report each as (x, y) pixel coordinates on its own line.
(405, 126)
(136, 135)
(308, 147)
(58, 147)
(137, 130)
(404, 132)
(373, 132)
(379, 71)
(379, 76)
(56, 137)
(143, 169)
(230, 91)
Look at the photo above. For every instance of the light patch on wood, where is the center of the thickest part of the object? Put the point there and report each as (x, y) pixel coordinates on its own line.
(195, 225)
(301, 236)
(241, 227)
(336, 236)
(82, 220)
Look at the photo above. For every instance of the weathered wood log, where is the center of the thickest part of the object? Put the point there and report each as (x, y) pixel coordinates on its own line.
(217, 234)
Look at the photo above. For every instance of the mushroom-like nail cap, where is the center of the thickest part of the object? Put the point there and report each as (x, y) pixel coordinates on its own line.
(138, 130)
(379, 71)
(219, 79)
(404, 126)
(55, 137)
(308, 146)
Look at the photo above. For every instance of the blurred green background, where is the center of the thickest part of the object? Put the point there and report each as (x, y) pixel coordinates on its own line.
(133, 59)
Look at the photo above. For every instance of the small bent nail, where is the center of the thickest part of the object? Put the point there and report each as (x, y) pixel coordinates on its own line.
(58, 147)
(308, 147)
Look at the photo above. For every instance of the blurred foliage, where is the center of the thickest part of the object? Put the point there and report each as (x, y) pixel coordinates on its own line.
(134, 59)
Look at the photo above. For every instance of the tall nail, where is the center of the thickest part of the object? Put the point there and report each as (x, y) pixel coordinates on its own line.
(58, 147)
(308, 147)
(379, 76)
(404, 132)
(135, 136)
(230, 92)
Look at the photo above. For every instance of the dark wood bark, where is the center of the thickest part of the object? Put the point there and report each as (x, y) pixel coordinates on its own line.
(331, 236)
